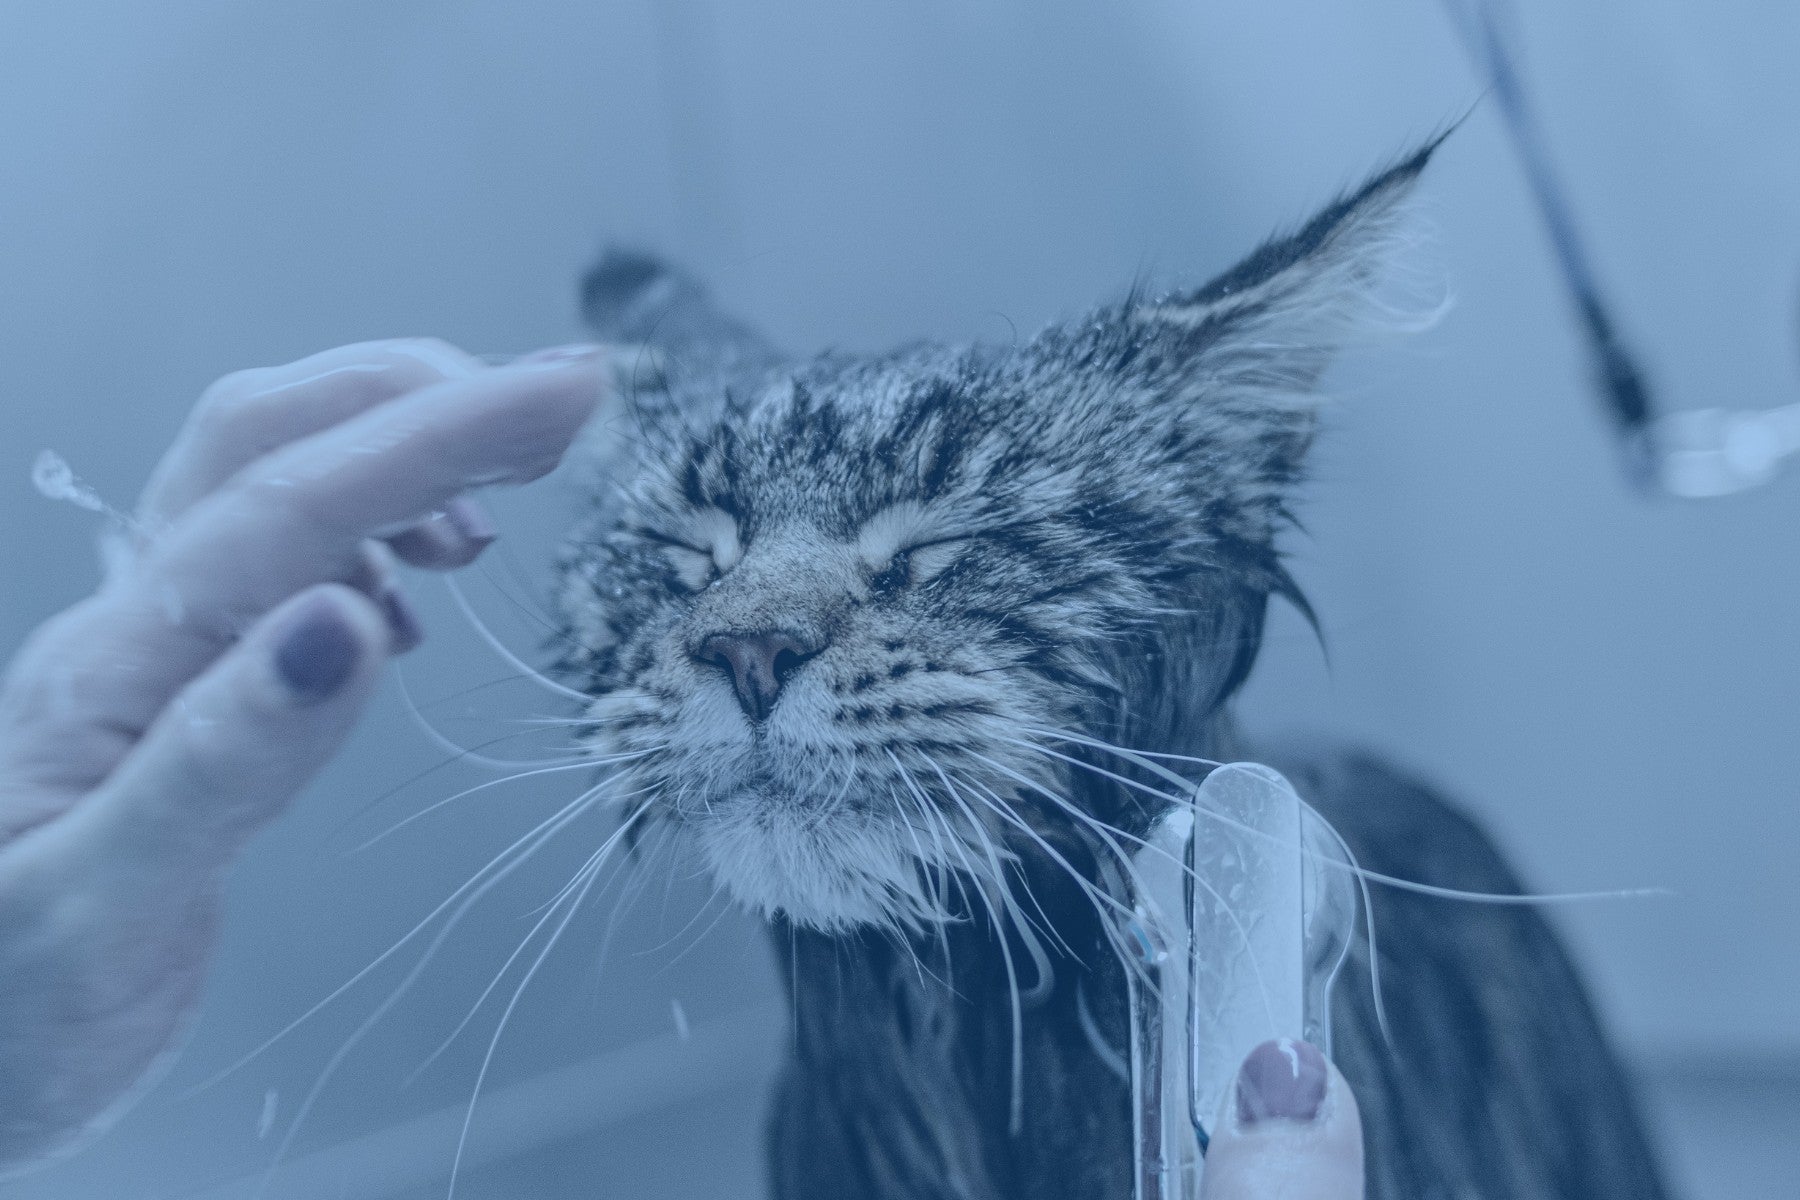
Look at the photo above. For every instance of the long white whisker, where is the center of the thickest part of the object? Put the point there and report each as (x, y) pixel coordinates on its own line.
(1358, 873)
(1230, 912)
(925, 870)
(462, 753)
(1097, 896)
(500, 648)
(1040, 961)
(1016, 1114)
(549, 912)
(1106, 832)
(593, 872)
(560, 818)
(537, 838)
(1062, 735)
(992, 800)
(492, 783)
(423, 774)
(1393, 881)
(945, 876)
(1049, 926)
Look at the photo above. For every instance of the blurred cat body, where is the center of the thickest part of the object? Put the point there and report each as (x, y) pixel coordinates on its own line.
(880, 635)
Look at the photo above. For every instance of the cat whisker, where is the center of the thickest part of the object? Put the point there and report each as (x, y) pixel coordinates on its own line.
(1016, 1111)
(1096, 896)
(549, 911)
(1199, 880)
(1021, 921)
(924, 866)
(555, 630)
(408, 782)
(579, 764)
(500, 648)
(592, 870)
(1393, 881)
(951, 780)
(1361, 877)
(542, 833)
(483, 881)
(946, 877)
(700, 937)
(459, 752)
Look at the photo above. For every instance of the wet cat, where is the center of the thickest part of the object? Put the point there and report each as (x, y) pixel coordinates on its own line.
(876, 633)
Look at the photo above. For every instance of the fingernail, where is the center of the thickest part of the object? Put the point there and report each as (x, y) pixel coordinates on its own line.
(402, 619)
(559, 356)
(470, 520)
(1282, 1080)
(318, 653)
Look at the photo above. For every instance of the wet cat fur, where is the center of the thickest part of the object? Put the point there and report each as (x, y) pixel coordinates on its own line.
(969, 553)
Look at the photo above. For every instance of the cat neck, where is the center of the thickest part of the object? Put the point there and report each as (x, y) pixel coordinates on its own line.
(955, 1062)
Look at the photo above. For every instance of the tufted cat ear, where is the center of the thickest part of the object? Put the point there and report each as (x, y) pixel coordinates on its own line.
(1278, 316)
(1218, 382)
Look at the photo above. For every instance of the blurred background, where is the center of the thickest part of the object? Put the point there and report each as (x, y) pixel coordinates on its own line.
(1612, 684)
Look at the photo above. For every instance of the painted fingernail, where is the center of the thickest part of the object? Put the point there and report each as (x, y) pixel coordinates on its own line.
(559, 356)
(1282, 1080)
(470, 520)
(402, 619)
(318, 653)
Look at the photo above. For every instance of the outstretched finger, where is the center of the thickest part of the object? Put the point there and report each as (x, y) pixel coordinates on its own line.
(248, 414)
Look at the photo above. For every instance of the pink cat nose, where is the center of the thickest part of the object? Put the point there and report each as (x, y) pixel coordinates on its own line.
(758, 663)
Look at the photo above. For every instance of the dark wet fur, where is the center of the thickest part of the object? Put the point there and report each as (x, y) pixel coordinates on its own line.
(1499, 1082)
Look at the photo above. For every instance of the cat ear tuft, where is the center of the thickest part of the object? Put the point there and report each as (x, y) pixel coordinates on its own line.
(1281, 313)
(1217, 385)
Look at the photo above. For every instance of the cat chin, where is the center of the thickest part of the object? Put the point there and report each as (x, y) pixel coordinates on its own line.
(832, 873)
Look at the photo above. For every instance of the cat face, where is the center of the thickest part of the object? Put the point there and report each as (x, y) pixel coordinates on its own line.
(846, 622)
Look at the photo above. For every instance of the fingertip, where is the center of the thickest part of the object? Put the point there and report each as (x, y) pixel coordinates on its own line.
(328, 637)
(453, 537)
(546, 400)
(1281, 1080)
(1290, 1128)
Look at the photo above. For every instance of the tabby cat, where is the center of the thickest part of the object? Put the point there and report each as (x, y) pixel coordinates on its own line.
(879, 635)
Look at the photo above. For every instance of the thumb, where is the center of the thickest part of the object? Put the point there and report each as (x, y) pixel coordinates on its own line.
(243, 739)
(108, 909)
(1290, 1131)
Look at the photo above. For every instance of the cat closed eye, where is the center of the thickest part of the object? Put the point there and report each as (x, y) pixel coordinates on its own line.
(916, 564)
(694, 569)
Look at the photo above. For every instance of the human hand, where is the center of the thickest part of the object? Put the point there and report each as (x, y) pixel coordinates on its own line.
(1290, 1132)
(147, 732)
